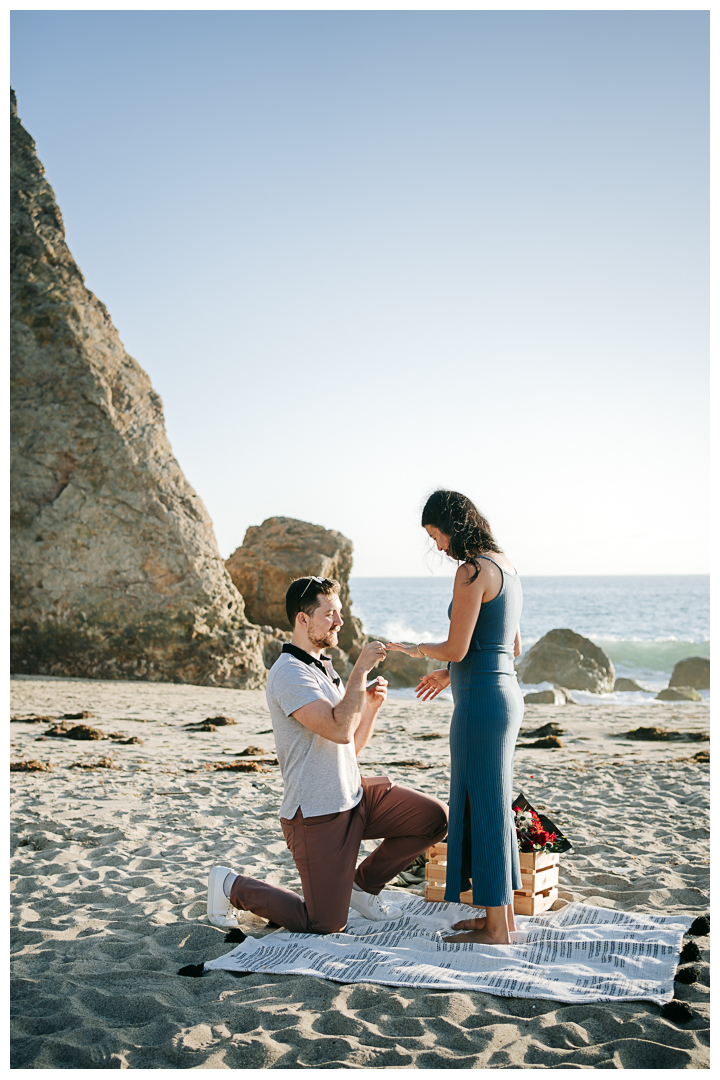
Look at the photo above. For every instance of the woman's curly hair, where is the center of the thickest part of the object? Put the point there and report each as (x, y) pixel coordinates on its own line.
(456, 516)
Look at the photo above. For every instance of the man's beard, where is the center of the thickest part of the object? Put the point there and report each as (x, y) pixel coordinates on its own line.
(327, 642)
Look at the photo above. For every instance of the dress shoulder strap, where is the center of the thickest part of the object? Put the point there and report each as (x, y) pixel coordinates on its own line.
(489, 560)
(496, 564)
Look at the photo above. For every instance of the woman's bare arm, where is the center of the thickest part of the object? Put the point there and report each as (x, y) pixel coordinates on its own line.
(467, 599)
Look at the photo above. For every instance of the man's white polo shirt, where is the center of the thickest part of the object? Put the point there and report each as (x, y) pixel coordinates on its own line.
(320, 776)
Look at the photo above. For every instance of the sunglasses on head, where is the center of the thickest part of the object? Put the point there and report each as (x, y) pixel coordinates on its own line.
(320, 581)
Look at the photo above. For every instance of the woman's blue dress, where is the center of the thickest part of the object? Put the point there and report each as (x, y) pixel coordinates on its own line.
(486, 719)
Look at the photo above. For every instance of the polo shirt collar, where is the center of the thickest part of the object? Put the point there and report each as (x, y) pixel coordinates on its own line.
(306, 658)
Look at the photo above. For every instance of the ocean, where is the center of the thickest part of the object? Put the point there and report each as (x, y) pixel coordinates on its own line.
(645, 623)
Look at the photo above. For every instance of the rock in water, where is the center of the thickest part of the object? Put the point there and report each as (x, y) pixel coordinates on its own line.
(570, 660)
(545, 697)
(278, 551)
(694, 671)
(627, 686)
(115, 568)
(678, 693)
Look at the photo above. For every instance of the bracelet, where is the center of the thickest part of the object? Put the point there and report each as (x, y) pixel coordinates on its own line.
(420, 650)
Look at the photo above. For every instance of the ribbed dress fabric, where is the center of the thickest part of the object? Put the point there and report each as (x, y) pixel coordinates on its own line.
(485, 723)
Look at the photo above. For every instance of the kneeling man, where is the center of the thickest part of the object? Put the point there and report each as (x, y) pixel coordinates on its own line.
(328, 808)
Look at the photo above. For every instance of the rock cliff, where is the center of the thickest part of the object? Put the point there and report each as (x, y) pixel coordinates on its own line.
(115, 569)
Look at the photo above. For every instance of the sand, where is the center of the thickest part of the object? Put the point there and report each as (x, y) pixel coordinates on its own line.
(110, 871)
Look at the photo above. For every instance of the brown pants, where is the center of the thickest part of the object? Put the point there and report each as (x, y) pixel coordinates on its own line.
(325, 851)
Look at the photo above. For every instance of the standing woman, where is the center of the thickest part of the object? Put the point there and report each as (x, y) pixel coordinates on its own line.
(484, 637)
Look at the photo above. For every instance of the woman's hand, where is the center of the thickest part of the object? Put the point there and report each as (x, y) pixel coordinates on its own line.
(409, 650)
(433, 684)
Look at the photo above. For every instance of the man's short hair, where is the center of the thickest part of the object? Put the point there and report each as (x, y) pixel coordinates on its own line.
(304, 595)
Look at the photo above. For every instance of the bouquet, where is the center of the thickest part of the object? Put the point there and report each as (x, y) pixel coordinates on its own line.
(535, 832)
(530, 833)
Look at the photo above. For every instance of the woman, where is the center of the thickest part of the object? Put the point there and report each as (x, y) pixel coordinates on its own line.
(484, 637)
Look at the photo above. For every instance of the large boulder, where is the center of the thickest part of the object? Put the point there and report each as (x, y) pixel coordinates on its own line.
(281, 549)
(678, 693)
(278, 551)
(570, 660)
(115, 572)
(694, 671)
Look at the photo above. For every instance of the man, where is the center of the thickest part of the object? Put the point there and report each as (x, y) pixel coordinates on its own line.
(328, 809)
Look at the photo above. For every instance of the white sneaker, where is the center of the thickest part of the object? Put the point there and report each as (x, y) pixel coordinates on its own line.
(219, 909)
(371, 907)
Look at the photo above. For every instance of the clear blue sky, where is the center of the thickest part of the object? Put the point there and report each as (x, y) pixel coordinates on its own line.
(364, 254)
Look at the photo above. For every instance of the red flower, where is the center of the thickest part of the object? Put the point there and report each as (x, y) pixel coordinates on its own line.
(534, 837)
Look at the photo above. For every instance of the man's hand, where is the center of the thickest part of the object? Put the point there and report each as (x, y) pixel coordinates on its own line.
(433, 684)
(373, 653)
(377, 694)
(342, 723)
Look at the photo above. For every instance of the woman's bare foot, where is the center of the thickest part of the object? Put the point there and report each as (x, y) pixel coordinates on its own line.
(470, 924)
(480, 937)
(492, 930)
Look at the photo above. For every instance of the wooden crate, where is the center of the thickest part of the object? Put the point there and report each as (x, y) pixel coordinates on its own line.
(539, 870)
(436, 893)
(532, 861)
(536, 904)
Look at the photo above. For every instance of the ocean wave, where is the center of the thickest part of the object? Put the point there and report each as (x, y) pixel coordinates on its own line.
(636, 657)
(397, 630)
(658, 639)
(660, 656)
(632, 657)
(650, 662)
